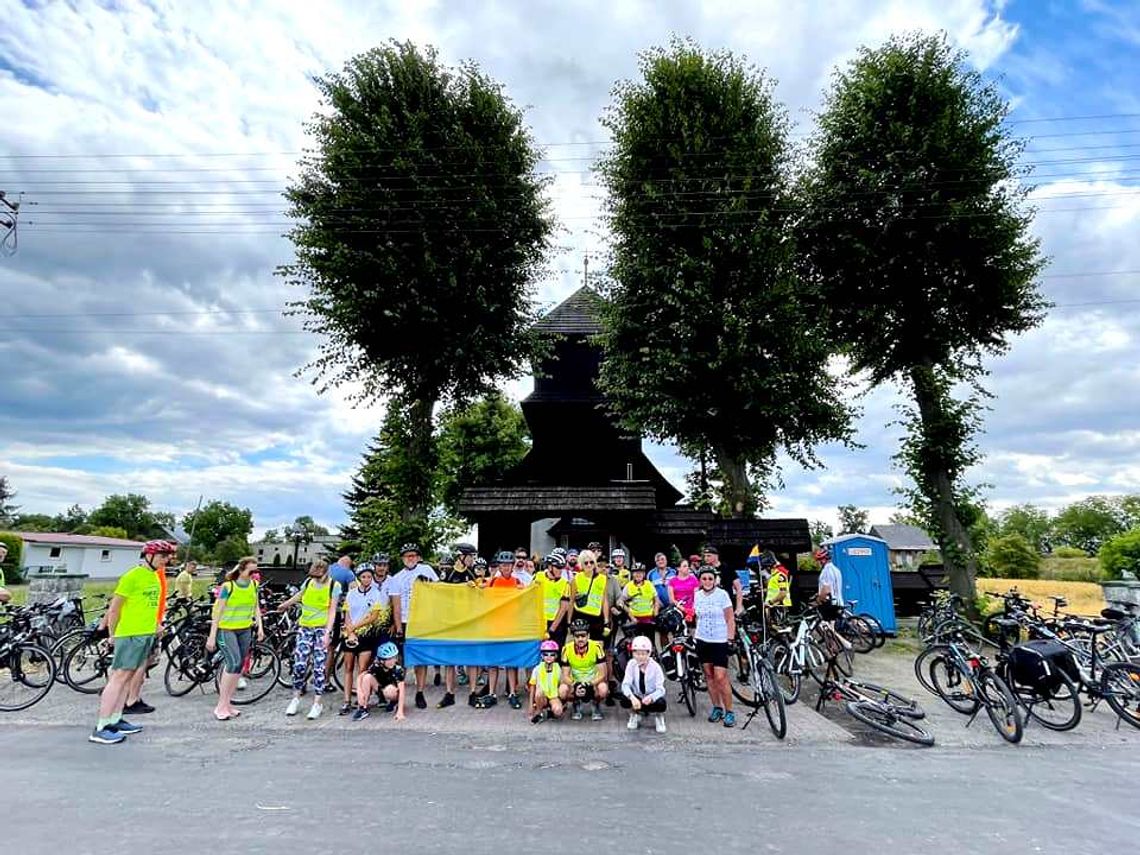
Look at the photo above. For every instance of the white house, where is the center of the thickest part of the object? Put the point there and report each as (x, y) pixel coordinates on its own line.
(98, 557)
(280, 552)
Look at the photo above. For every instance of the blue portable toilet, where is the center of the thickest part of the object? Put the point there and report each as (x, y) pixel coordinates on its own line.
(863, 561)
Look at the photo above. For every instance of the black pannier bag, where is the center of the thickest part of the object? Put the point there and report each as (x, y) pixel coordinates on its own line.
(1035, 664)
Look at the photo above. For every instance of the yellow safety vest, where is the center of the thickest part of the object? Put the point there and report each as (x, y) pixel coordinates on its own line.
(239, 606)
(315, 603)
(554, 591)
(547, 681)
(593, 591)
(641, 598)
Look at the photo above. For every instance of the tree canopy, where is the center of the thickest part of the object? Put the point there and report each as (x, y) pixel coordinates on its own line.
(132, 513)
(711, 339)
(216, 521)
(919, 239)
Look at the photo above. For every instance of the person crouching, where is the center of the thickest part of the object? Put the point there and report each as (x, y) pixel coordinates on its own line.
(643, 687)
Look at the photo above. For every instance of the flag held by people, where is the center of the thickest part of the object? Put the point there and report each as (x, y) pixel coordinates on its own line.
(461, 625)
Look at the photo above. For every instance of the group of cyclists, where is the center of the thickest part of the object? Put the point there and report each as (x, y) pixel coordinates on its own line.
(361, 613)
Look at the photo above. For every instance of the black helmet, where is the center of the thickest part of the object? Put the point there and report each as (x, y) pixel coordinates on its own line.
(671, 620)
(505, 557)
(554, 559)
(768, 561)
(579, 625)
(465, 549)
(410, 547)
(481, 562)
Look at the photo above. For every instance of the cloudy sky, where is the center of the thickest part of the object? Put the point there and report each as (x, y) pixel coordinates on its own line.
(142, 346)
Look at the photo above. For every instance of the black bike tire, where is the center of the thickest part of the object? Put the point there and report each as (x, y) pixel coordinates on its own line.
(772, 698)
(877, 631)
(815, 661)
(1133, 681)
(858, 632)
(41, 691)
(952, 669)
(921, 665)
(1030, 699)
(739, 679)
(62, 647)
(900, 727)
(904, 706)
(85, 686)
(264, 686)
(185, 660)
(991, 684)
(782, 658)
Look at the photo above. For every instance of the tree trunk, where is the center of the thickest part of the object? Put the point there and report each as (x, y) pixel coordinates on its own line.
(954, 539)
(422, 454)
(737, 487)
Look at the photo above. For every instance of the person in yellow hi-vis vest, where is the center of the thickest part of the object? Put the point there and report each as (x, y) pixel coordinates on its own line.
(319, 596)
(235, 615)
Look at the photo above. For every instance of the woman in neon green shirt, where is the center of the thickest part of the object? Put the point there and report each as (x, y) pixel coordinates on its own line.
(236, 612)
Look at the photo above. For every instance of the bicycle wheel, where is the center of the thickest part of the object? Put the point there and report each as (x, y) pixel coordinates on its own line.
(188, 668)
(1120, 686)
(27, 674)
(815, 661)
(790, 684)
(1059, 710)
(922, 665)
(688, 690)
(900, 704)
(86, 665)
(883, 718)
(877, 632)
(857, 632)
(285, 648)
(740, 677)
(1001, 707)
(264, 670)
(772, 698)
(63, 646)
(953, 685)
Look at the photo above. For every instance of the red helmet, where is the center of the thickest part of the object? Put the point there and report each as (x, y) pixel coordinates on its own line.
(159, 547)
(822, 554)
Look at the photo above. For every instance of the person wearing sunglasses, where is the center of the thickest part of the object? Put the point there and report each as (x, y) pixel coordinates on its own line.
(547, 691)
(589, 593)
(715, 634)
(584, 671)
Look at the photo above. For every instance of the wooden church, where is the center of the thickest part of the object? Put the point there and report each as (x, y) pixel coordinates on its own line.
(585, 479)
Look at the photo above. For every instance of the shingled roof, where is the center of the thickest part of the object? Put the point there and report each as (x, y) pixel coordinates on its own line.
(576, 315)
(903, 537)
(629, 496)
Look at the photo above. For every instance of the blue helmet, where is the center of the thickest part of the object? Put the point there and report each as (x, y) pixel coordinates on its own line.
(387, 651)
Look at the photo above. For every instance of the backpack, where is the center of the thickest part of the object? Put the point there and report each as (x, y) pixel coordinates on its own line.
(1036, 664)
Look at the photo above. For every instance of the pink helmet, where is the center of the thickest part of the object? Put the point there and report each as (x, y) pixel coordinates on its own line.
(159, 547)
(548, 646)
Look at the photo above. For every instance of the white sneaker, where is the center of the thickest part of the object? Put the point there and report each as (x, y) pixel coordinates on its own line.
(314, 711)
(294, 705)
(243, 683)
(660, 720)
(634, 721)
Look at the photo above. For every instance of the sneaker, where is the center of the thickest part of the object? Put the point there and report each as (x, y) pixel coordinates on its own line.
(390, 706)
(125, 727)
(659, 722)
(139, 707)
(294, 705)
(359, 714)
(106, 736)
(634, 721)
(716, 715)
(514, 701)
(537, 718)
(487, 701)
(577, 715)
(421, 702)
(730, 719)
(345, 708)
(596, 715)
(243, 684)
(462, 676)
(472, 700)
(448, 700)
(315, 710)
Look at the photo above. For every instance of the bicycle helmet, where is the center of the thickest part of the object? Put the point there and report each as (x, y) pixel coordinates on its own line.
(707, 569)
(637, 567)
(768, 561)
(381, 558)
(465, 549)
(505, 557)
(364, 567)
(558, 550)
(555, 560)
(671, 620)
(408, 548)
(822, 554)
(548, 646)
(642, 643)
(159, 547)
(481, 562)
(579, 625)
(387, 651)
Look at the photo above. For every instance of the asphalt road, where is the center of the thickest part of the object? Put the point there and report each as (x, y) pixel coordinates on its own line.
(174, 790)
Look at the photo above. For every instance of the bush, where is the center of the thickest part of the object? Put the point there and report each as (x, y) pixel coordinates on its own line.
(1012, 557)
(1072, 570)
(13, 574)
(1069, 552)
(806, 562)
(1121, 555)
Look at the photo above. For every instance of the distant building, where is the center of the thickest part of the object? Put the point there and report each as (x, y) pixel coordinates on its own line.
(280, 552)
(98, 557)
(906, 544)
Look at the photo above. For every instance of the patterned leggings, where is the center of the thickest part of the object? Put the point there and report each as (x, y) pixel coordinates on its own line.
(310, 645)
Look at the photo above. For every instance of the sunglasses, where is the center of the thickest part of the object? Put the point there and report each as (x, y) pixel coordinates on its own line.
(588, 563)
(549, 653)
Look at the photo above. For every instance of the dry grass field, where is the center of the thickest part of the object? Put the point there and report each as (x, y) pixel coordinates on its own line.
(1085, 598)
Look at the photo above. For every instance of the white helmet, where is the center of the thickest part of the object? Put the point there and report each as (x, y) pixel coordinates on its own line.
(642, 643)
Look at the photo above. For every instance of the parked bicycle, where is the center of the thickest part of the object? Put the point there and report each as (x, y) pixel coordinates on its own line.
(965, 680)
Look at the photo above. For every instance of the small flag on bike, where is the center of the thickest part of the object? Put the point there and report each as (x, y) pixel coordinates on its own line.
(460, 625)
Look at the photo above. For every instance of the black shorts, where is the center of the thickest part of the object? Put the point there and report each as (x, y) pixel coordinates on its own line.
(558, 635)
(713, 653)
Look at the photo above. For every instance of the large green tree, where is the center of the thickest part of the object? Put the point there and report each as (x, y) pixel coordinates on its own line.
(132, 513)
(422, 226)
(1089, 523)
(918, 235)
(478, 442)
(853, 519)
(216, 521)
(1029, 521)
(710, 338)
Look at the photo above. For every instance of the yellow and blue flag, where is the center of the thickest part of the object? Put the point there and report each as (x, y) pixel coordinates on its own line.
(462, 625)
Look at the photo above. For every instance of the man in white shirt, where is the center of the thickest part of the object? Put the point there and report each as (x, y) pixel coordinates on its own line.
(830, 579)
(400, 594)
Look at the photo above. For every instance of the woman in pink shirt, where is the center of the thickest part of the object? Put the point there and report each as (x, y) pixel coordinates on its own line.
(682, 587)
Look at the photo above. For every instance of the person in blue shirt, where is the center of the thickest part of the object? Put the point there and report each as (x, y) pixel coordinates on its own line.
(659, 576)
